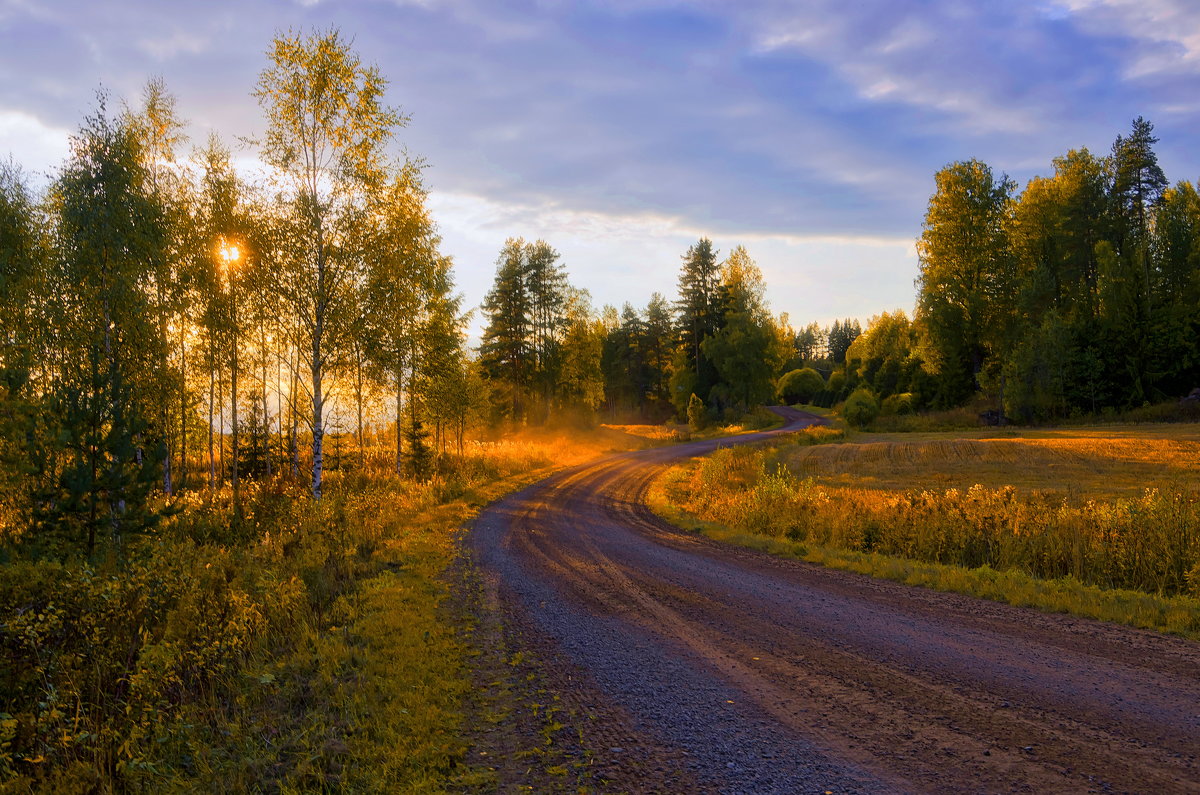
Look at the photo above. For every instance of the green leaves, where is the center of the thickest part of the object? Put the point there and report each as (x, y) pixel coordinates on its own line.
(327, 129)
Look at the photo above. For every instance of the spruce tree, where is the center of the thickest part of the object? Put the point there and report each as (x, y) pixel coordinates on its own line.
(506, 349)
(108, 239)
(698, 315)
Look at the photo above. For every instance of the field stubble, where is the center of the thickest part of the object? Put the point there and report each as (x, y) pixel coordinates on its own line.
(1083, 464)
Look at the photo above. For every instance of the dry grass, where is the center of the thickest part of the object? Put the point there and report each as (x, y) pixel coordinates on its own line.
(658, 434)
(1079, 464)
(1101, 522)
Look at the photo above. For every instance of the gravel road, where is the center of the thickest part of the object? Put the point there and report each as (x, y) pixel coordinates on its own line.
(703, 667)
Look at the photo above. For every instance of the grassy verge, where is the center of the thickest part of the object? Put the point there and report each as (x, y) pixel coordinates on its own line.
(758, 420)
(740, 500)
(310, 647)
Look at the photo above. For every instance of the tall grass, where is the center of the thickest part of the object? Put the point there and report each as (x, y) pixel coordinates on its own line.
(1078, 464)
(1150, 543)
(1147, 544)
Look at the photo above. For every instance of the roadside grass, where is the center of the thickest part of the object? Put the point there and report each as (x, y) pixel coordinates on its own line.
(653, 434)
(312, 647)
(1103, 523)
(758, 420)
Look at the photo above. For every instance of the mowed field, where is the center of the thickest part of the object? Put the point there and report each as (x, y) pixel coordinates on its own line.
(1074, 463)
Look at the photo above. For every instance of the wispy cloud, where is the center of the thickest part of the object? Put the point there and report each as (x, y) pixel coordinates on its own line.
(961, 61)
(161, 47)
(1165, 33)
(622, 130)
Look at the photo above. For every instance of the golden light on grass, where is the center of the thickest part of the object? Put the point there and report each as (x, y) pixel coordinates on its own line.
(1080, 464)
(1087, 516)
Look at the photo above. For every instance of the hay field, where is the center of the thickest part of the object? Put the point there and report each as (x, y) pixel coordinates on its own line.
(1074, 463)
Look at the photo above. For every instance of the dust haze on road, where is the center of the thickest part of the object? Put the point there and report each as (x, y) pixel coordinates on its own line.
(703, 667)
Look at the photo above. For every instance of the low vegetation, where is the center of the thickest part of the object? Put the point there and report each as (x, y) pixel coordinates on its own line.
(1102, 522)
(308, 646)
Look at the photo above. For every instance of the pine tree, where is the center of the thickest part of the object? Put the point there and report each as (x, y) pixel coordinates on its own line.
(419, 454)
(656, 351)
(546, 282)
(1137, 181)
(742, 349)
(109, 236)
(254, 450)
(840, 337)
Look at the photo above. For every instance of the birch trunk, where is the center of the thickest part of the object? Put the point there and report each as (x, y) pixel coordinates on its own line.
(318, 405)
(399, 435)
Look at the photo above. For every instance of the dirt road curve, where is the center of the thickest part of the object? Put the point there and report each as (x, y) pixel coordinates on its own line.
(710, 668)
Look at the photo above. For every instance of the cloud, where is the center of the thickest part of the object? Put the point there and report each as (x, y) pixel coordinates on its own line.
(1166, 32)
(162, 47)
(955, 60)
(38, 147)
(623, 130)
(625, 257)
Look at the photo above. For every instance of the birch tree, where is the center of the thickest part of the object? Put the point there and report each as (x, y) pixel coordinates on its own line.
(404, 268)
(327, 128)
(159, 131)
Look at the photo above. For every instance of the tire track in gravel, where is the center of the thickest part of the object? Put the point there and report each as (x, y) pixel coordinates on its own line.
(728, 670)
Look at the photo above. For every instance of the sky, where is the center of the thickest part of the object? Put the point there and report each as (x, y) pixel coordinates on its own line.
(623, 131)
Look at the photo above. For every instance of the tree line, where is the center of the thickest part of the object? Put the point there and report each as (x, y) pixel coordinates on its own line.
(546, 352)
(1082, 292)
(1077, 295)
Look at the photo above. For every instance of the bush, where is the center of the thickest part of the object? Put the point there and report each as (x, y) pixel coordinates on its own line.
(837, 382)
(800, 386)
(897, 405)
(861, 408)
(696, 413)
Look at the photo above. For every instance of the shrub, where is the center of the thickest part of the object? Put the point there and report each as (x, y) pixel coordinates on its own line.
(861, 408)
(837, 382)
(897, 405)
(697, 414)
(800, 386)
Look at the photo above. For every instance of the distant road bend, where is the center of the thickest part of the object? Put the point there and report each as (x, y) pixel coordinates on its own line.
(725, 670)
